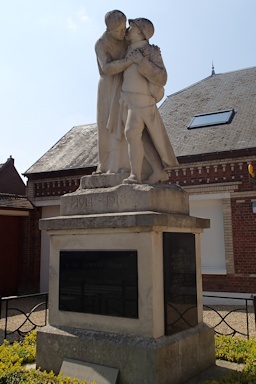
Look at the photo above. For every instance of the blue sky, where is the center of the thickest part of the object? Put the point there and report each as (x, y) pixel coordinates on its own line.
(48, 71)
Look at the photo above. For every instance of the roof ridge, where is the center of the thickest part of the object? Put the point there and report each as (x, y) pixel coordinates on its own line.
(238, 70)
(208, 77)
(3, 165)
(83, 125)
(191, 85)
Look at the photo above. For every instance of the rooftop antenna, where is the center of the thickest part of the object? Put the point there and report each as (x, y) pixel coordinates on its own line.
(213, 71)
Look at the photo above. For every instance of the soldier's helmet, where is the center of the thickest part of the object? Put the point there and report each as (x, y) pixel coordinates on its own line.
(145, 26)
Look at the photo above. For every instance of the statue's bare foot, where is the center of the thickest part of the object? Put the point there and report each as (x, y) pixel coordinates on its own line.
(157, 177)
(131, 180)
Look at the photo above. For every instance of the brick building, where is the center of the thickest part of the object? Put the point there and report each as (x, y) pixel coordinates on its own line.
(214, 150)
(212, 126)
(19, 236)
(58, 172)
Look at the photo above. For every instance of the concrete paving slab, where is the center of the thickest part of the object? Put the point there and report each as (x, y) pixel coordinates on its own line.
(220, 369)
(89, 372)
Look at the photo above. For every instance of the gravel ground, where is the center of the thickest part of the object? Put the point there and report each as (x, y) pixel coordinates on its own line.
(235, 316)
(19, 316)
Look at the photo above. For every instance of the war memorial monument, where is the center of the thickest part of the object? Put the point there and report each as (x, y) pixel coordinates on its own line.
(125, 295)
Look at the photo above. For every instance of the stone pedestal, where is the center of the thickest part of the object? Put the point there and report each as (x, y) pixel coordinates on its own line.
(165, 360)
(126, 198)
(111, 300)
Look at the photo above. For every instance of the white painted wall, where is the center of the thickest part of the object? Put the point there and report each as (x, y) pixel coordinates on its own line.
(212, 240)
(231, 298)
(47, 211)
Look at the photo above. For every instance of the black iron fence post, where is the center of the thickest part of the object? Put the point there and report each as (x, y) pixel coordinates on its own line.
(254, 307)
(6, 318)
(247, 318)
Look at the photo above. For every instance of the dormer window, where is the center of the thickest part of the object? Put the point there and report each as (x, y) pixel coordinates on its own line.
(211, 119)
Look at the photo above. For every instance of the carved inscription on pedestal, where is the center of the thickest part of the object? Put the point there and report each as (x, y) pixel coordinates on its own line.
(95, 201)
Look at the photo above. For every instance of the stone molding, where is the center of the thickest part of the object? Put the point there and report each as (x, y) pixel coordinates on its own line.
(124, 220)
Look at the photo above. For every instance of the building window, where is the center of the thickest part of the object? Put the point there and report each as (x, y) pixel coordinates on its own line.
(211, 119)
(212, 239)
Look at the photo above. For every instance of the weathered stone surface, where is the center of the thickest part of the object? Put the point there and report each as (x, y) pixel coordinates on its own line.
(89, 372)
(166, 360)
(123, 220)
(126, 198)
(104, 180)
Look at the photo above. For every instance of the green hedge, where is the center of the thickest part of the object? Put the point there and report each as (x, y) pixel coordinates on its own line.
(237, 350)
(14, 357)
(35, 376)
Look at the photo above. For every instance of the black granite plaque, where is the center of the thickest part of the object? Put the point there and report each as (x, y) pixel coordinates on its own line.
(99, 282)
(180, 293)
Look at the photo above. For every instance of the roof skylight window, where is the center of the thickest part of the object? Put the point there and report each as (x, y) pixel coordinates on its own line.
(210, 119)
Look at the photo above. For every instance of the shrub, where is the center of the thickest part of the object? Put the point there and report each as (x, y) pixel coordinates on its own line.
(244, 377)
(18, 353)
(35, 376)
(14, 357)
(237, 350)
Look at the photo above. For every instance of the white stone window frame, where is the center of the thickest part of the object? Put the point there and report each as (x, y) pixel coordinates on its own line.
(225, 261)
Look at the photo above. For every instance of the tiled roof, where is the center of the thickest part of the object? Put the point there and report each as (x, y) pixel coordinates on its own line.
(14, 202)
(218, 92)
(77, 149)
(10, 180)
(237, 90)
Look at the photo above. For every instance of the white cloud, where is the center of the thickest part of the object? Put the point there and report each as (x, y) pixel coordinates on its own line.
(75, 21)
(71, 24)
(82, 16)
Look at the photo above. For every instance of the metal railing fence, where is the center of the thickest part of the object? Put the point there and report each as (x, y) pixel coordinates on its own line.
(25, 307)
(224, 318)
(26, 310)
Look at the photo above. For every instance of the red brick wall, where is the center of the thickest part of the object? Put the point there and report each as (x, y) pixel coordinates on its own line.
(9, 254)
(243, 219)
(29, 263)
(204, 172)
(244, 236)
(56, 188)
(212, 173)
(229, 283)
(244, 244)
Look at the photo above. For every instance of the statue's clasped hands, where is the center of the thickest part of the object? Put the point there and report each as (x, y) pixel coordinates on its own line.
(135, 56)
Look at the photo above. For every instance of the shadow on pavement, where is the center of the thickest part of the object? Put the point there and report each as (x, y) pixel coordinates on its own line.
(220, 369)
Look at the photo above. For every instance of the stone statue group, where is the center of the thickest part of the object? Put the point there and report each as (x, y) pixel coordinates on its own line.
(131, 134)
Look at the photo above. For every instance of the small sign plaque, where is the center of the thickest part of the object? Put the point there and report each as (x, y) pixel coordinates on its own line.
(100, 374)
